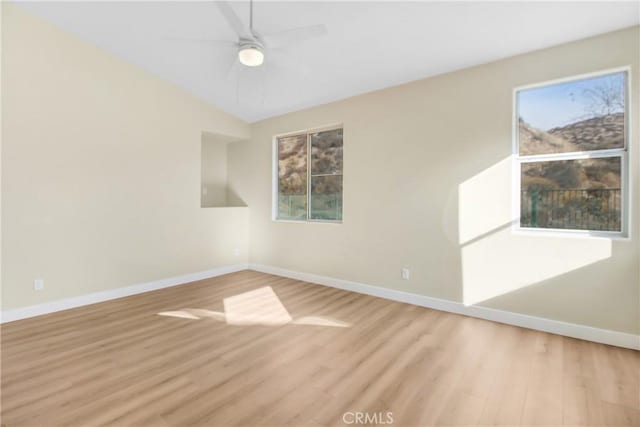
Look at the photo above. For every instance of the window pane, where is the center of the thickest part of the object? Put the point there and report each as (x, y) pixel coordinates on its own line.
(580, 115)
(326, 197)
(326, 152)
(572, 194)
(292, 177)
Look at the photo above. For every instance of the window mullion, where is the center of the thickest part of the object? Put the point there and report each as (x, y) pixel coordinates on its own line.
(277, 178)
(577, 155)
(308, 176)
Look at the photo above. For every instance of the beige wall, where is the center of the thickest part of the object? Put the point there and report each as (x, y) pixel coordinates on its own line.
(101, 171)
(1, 55)
(101, 185)
(427, 185)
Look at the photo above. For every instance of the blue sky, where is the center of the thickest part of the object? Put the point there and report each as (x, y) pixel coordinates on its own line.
(560, 104)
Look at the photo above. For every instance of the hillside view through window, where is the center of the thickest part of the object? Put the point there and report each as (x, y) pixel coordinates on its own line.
(571, 149)
(310, 176)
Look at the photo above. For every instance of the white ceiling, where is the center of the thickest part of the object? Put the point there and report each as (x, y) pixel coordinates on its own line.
(371, 45)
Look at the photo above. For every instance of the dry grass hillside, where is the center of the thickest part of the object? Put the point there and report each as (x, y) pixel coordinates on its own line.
(595, 133)
(326, 161)
(536, 141)
(292, 164)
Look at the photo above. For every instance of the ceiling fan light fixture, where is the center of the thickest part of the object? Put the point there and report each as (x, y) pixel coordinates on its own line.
(251, 55)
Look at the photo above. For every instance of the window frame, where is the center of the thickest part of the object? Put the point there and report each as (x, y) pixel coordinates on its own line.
(623, 153)
(275, 183)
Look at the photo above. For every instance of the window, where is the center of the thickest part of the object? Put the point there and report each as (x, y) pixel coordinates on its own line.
(571, 154)
(309, 176)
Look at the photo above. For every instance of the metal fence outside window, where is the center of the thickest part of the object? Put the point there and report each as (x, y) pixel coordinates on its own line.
(579, 209)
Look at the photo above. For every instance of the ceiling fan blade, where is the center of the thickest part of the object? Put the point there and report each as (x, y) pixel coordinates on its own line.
(295, 35)
(234, 21)
(222, 43)
(283, 62)
(231, 69)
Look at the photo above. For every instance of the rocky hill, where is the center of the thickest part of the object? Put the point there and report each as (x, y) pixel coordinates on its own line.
(595, 133)
(326, 160)
(536, 141)
(292, 161)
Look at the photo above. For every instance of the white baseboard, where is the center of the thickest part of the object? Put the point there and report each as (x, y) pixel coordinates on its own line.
(67, 303)
(573, 330)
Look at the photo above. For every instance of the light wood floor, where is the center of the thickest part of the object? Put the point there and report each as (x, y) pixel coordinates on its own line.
(120, 363)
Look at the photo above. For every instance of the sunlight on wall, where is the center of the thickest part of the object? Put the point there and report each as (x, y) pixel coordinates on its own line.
(484, 202)
(258, 307)
(494, 260)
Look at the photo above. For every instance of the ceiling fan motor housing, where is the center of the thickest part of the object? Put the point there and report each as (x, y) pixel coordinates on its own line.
(251, 53)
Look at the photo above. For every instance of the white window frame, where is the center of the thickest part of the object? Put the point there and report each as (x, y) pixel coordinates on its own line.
(274, 179)
(624, 153)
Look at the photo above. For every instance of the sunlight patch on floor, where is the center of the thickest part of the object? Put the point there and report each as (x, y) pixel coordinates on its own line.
(258, 307)
(183, 314)
(321, 321)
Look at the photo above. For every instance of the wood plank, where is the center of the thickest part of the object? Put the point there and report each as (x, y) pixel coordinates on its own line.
(121, 363)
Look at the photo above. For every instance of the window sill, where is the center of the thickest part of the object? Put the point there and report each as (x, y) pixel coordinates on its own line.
(306, 221)
(223, 207)
(572, 234)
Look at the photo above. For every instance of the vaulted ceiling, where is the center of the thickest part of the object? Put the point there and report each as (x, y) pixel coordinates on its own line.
(370, 45)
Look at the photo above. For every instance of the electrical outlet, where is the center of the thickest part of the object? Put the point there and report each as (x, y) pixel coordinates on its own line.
(236, 251)
(38, 284)
(405, 274)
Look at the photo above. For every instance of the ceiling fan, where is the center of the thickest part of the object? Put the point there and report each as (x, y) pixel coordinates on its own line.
(251, 45)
